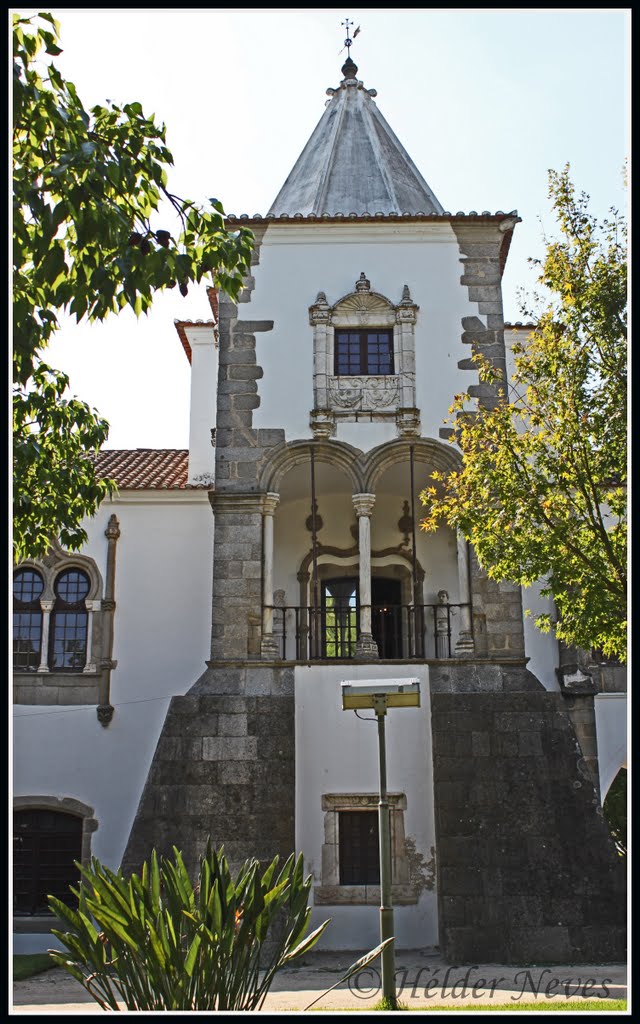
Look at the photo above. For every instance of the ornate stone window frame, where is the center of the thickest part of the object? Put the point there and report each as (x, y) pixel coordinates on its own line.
(330, 892)
(45, 685)
(40, 923)
(364, 398)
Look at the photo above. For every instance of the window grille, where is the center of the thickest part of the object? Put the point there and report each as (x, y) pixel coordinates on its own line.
(45, 846)
(27, 620)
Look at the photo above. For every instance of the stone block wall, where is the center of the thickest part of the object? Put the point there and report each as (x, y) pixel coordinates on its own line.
(527, 871)
(224, 768)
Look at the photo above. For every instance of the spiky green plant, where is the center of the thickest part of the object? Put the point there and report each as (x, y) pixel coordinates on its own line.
(155, 941)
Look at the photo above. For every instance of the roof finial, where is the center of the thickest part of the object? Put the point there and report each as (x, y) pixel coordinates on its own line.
(349, 69)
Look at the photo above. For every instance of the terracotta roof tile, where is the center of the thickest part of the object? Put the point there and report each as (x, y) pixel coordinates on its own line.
(146, 468)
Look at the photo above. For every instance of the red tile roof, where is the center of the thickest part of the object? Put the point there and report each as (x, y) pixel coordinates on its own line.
(147, 468)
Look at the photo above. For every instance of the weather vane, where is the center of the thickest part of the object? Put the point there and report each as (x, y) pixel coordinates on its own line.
(347, 23)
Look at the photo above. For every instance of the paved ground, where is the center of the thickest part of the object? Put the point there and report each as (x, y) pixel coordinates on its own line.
(423, 981)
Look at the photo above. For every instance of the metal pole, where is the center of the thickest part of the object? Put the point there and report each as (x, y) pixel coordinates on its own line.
(315, 630)
(386, 906)
(418, 652)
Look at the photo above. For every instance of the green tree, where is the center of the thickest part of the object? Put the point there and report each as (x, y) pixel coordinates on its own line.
(541, 492)
(91, 218)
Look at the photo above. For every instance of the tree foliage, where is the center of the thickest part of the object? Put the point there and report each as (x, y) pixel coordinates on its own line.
(541, 492)
(90, 237)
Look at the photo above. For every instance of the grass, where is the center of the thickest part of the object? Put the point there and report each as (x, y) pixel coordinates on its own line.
(542, 1006)
(25, 965)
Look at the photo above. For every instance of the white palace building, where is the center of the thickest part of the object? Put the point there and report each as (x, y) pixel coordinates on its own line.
(180, 677)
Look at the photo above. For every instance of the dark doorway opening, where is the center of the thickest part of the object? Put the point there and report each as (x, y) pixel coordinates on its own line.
(386, 616)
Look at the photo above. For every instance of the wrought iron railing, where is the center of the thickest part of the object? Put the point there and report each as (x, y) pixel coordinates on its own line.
(402, 631)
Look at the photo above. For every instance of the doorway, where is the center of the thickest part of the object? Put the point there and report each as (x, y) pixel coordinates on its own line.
(386, 616)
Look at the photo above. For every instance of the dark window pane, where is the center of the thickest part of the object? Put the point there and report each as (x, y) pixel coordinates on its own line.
(358, 848)
(27, 586)
(68, 631)
(45, 846)
(72, 586)
(363, 352)
(379, 353)
(27, 620)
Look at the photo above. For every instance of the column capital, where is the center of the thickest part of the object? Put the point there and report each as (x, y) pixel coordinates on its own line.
(270, 502)
(363, 504)
(46, 606)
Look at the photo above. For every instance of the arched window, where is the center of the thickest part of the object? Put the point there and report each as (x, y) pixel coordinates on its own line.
(68, 636)
(46, 844)
(27, 620)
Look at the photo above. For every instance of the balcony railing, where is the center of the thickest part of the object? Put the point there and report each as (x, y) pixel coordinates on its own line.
(402, 631)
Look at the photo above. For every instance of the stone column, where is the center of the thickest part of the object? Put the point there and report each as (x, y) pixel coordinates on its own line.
(91, 606)
(366, 647)
(464, 646)
(268, 646)
(47, 608)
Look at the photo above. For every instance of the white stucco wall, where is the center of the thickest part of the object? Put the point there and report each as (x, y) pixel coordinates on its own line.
(203, 403)
(611, 736)
(298, 262)
(336, 752)
(541, 648)
(161, 643)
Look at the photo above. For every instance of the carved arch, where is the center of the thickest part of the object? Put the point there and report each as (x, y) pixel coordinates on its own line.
(58, 560)
(442, 457)
(294, 453)
(64, 805)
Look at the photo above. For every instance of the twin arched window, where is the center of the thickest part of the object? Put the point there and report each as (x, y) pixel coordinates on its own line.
(68, 626)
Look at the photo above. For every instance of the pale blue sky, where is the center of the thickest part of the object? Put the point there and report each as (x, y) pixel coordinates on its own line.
(484, 101)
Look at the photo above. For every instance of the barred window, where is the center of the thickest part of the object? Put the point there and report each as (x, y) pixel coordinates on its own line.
(68, 639)
(368, 353)
(27, 620)
(46, 845)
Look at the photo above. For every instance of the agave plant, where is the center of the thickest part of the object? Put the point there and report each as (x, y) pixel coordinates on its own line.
(155, 941)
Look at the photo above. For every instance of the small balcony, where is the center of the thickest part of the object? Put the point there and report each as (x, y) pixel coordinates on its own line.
(402, 632)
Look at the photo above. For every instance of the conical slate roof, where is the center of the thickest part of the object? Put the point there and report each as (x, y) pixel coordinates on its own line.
(353, 163)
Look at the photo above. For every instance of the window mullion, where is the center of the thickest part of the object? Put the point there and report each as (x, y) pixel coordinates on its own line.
(47, 608)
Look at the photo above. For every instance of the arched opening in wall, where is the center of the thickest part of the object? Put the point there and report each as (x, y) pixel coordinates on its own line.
(421, 613)
(49, 836)
(315, 559)
(615, 811)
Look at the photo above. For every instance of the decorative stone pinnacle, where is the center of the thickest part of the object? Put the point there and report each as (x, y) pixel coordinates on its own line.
(363, 284)
(406, 299)
(113, 528)
(349, 69)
